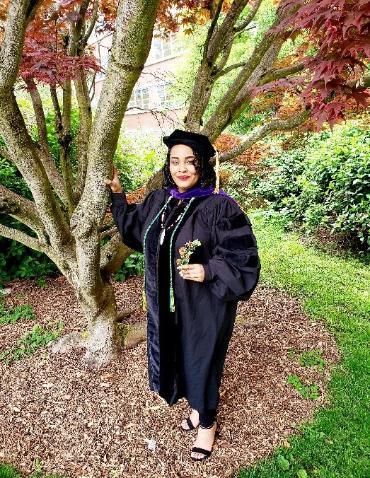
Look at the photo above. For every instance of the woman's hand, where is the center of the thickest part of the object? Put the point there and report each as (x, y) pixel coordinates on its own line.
(114, 183)
(192, 272)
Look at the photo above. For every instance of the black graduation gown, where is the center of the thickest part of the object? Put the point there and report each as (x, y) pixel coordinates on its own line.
(187, 347)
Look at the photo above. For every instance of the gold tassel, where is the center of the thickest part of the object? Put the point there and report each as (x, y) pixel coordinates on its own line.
(217, 188)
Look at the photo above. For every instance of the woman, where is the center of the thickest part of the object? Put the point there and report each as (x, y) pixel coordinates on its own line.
(191, 308)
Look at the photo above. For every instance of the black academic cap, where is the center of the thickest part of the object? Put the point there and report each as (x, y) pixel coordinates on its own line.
(196, 140)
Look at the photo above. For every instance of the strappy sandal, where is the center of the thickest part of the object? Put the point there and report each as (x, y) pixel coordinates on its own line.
(190, 425)
(203, 451)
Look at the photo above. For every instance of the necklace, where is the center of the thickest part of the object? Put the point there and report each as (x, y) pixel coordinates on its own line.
(163, 228)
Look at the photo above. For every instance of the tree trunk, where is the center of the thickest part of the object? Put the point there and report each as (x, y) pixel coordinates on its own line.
(101, 339)
(104, 337)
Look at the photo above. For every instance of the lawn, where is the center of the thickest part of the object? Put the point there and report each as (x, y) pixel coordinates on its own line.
(336, 290)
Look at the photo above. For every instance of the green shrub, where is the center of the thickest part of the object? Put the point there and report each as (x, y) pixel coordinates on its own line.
(31, 341)
(324, 184)
(133, 265)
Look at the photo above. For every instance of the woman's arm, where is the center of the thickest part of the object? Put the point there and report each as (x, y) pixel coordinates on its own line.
(232, 273)
(130, 218)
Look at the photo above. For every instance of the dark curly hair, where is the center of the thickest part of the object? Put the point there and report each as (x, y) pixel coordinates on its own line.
(207, 174)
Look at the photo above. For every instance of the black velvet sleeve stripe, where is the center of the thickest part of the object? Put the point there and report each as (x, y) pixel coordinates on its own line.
(233, 271)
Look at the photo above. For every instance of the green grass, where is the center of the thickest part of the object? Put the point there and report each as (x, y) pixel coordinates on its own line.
(336, 290)
(310, 391)
(8, 471)
(312, 358)
(11, 315)
(31, 341)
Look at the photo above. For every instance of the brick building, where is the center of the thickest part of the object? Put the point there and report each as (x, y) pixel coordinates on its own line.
(152, 108)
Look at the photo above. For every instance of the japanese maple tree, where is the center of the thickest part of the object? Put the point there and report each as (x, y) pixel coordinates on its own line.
(46, 42)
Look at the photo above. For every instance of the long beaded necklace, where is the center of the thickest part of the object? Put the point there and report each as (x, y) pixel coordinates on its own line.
(163, 228)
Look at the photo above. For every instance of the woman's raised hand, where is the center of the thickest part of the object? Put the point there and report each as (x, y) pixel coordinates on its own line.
(114, 183)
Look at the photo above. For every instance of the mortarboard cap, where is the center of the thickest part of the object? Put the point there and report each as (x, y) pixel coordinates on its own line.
(199, 141)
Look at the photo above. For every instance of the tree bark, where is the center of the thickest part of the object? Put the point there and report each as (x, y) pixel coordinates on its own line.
(130, 48)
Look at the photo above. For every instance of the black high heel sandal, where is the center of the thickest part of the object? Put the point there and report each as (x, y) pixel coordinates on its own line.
(190, 425)
(203, 451)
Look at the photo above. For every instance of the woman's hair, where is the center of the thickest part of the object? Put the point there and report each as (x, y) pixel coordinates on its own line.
(207, 174)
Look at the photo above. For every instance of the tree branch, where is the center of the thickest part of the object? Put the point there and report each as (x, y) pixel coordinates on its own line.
(5, 153)
(225, 56)
(212, 27)
(261, 131)
(44, 151)
(249, 17)
(19, 13)
(205, 77)
(84, 130)
(227, 70)
(64, 140)
(57, 111)
(39, 112)
(24, 155)
(221, 34)
(278, 73)
(234, 100)
(113, 254)
(77, 47)
(21, 209)
(90, 28)
(65, 144)
(53, 174)
(21, 237)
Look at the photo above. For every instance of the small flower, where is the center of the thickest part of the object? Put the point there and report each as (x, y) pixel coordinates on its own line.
(182, 251)
(186, 250)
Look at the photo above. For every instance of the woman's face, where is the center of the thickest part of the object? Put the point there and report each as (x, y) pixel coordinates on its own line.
(182, 167)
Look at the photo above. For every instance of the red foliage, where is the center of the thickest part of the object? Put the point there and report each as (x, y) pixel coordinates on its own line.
(173, 13)
(46, 64)
(250, 157)
(339, 31)
(45, 55)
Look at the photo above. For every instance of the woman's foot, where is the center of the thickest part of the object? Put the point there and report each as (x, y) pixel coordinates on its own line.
(205, 439)
(194, 418)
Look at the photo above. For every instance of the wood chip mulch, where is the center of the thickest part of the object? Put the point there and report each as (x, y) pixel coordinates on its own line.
(96, 424)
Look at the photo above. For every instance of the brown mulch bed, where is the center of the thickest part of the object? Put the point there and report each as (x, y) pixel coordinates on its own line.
(97, 424)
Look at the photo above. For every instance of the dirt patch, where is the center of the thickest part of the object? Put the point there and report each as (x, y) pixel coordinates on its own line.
(83, 423)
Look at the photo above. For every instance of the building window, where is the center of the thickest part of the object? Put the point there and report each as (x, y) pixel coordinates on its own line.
(162, 99)
(163, 47)
(145, 98)
(155, 96)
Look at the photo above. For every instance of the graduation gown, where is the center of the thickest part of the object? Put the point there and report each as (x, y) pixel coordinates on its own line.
(187, 343)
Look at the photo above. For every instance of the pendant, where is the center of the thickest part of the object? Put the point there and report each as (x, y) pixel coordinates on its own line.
(161, 236)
